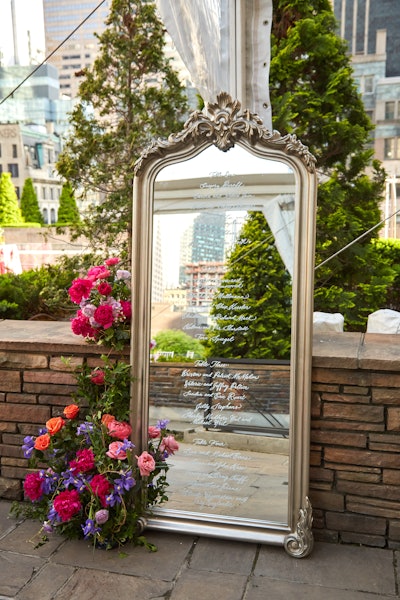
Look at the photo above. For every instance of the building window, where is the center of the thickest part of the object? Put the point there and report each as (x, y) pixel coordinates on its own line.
(392, 148)
(44, 193)
(390, 108)
(0, 149)
(1, 169)
(14, 151)
(368, 84)
(13, 169)
(52, 215)
(17, 191)
(45, 216)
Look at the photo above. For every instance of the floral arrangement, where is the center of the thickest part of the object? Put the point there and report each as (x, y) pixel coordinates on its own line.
(86, 478)
(103, 296)
(87, 481)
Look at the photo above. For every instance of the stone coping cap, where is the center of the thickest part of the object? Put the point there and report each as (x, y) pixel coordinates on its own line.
(340, 350)
(34, 336)
(355, 350)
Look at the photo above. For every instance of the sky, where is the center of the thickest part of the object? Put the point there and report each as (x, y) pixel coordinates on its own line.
(29, 17)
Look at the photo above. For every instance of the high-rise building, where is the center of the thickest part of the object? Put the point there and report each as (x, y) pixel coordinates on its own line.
(372, 30)
(61, 18)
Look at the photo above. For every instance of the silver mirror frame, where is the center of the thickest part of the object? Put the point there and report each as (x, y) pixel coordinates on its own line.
(224, 125)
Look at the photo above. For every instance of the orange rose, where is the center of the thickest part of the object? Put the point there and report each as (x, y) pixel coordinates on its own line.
(106, 419)
(55, 424)
(42, 442)
(71, 411)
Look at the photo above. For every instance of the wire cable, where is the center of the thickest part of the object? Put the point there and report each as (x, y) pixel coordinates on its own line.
(51, 53)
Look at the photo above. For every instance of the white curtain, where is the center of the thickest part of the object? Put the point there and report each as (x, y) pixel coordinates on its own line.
(225, 45)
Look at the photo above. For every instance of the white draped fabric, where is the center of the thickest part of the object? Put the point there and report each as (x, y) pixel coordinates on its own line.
(225, 45)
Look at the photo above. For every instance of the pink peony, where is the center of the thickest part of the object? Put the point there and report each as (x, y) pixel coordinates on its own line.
(84, 461)
(146, 464)
(101, 487)
(154, 432)
(110, 262)
(33, 486)
(97, 376)
(169, 445)
(126, 307)
(115, 450)
(67, 504)
(119, 429)
(100, 272)
(81, 326)
(103, 315)
(104, 288)
(79, 290)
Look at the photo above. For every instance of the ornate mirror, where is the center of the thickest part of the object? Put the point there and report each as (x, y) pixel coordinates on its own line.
(222, 247)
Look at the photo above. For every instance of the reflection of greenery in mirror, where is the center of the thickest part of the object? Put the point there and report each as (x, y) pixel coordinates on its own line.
(251, 309)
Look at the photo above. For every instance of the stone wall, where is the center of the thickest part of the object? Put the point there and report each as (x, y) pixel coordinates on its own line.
(355, 442)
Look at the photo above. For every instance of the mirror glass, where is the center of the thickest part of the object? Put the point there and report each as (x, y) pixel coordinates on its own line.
(221, 314)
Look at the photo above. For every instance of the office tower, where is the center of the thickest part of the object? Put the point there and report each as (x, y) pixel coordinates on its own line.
(372, 30)
(61, 18)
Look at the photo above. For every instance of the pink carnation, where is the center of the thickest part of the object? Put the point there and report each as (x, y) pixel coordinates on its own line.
(146, 464)
(169, 445)
(33, 486)
(110, 262)
(67, 504)
(103, 315)
(84, 461)
(79, 290)
(119, 429)
(101, 487)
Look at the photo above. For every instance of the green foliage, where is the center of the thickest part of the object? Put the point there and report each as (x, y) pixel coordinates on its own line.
(10, 213)
(68, 213)
(42, 291)
(256, 280)
(29, 204)
(130, 96)
(313, 94)
(178, 342)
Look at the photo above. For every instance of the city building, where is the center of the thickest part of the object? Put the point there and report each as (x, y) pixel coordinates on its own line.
(372, 30)
(73, 24)
(37, 101)
(202, 280)
(32, 151)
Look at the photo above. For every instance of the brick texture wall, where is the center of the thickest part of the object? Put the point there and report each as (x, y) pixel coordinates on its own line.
(355, 425)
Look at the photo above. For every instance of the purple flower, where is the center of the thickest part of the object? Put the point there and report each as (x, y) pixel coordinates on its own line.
(28, 446)
(49, 481)
(125, 482)
(89, 528)
(127, 445)
(53, 516)
(101, 516)
(47, 527)
(84, 428)
(113, 499)
(162, 423)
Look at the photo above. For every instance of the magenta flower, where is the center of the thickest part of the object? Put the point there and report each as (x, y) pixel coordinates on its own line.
(79, 290)
(67, 504)
(33, 486)
(103, 315)
(84, 461)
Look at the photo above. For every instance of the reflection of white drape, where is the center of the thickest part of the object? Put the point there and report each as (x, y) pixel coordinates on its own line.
(280, 216)
(225, 45)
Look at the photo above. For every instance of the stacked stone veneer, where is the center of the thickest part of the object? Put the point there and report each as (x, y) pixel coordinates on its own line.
(355, 425)
(355, 441)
